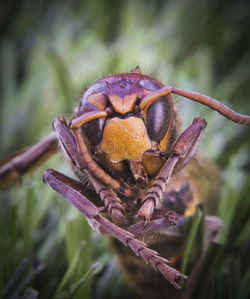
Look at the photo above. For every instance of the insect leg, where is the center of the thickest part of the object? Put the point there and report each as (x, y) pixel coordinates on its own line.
(69, 189)
(181, 152)
(94, 168)
(167, 220)
(111, 201)
(186, 145)
(154, 194)
(14, 166)
(69, 146)
(68, 143)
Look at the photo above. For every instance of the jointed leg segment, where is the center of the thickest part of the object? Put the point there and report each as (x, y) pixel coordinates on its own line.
(93, 167)
(66, 187)
(70, 148)
(110, 200)
(13, 167)
(76, 151)
(181, 152)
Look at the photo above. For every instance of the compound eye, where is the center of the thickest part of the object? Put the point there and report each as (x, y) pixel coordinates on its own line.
(158, 118)
(93, 129)
(150, 84)
(93, 89)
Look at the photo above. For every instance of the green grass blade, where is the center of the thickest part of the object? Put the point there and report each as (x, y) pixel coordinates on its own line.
(77, 230)
(192, 233)
(28, 224)
(78, 284)
(70, 270)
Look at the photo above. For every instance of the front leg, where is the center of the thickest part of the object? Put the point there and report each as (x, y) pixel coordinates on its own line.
(73, 192)
(112, 203)
(181, 152)
(93, 167)
(77, 152)
(72, 150)
(164, 221)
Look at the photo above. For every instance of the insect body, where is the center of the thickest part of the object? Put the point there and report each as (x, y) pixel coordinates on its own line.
(126, 142)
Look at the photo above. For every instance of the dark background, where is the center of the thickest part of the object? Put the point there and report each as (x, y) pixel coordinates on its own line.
(50, 51)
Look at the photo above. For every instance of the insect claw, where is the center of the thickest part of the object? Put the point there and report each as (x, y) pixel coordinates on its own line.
(142, 219)
(146, 211)
(171, 218)
(172, 275)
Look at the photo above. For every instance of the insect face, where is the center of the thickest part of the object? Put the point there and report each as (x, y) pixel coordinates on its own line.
(128, 133)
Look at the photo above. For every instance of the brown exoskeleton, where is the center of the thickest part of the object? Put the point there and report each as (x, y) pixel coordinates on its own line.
(125, 141)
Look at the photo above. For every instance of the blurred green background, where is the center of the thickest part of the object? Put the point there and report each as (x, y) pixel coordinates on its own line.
(50, 51)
